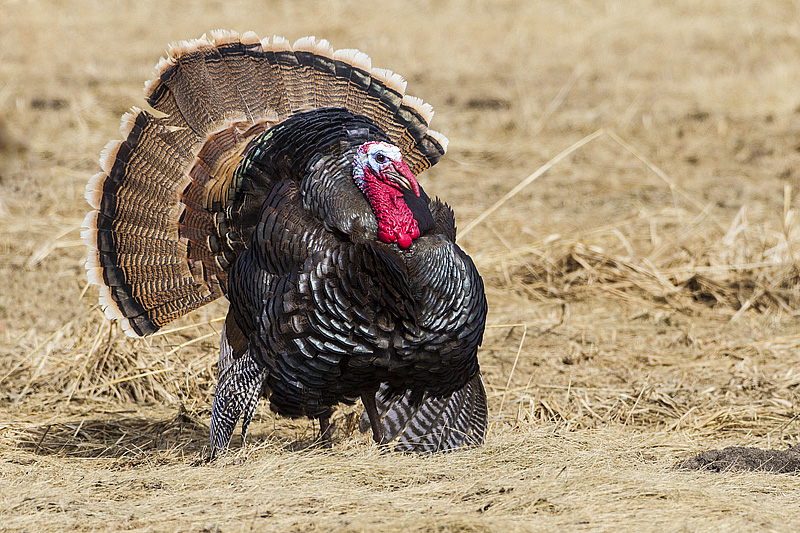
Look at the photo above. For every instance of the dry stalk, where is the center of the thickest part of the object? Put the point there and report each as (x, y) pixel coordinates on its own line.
(513, 366)
(527, 181)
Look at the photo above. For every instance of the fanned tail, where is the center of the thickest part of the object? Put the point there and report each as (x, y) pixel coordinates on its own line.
(159, 240)
(238, 390)
(434, 424)
(136, 254)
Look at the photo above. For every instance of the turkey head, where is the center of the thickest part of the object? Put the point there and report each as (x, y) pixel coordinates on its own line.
(383, 176)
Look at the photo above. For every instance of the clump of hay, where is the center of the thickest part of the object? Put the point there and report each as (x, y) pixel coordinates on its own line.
(744, 458)
(91, 359)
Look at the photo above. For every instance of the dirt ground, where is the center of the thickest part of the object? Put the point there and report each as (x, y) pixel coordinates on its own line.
(643, 283)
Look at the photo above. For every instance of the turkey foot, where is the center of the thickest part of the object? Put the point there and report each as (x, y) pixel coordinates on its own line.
(374, 420)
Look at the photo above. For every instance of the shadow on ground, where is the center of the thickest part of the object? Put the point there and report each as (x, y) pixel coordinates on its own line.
(136, 437)
(116, 438)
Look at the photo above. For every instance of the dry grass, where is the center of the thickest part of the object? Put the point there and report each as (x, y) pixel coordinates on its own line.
(643, 279)
(542, 481)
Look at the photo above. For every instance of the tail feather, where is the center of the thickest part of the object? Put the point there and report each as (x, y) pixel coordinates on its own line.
(354, 66)
(160, 201)
(434, 424)
(269, 72)
(244, 88)
(210, 81)
(327, 87)
(388, 89)
(254, 76)
(222, 100)
(428, 151)
(180, 74)
(371, 105)
(304, 51)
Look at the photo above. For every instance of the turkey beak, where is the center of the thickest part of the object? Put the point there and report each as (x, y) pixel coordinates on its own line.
(400, 174)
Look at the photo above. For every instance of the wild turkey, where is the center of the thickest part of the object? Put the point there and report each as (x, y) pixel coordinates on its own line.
(283, 177)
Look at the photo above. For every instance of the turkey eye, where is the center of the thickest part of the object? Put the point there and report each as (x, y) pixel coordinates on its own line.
(380, 158)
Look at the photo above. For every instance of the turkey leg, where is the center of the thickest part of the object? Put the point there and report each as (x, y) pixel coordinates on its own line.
(372, 413)
(326, 431)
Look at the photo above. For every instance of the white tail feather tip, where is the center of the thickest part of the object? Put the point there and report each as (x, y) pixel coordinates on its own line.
(128, 329)
(305, 44)
(94, 190)
(390, 79)
(250, 37)
(221, 37)
(355, 58)
(323, 48)
(108, 304)
(440, 138)
(109, 155)
(89, 222)
(128, 121)
(280, 43)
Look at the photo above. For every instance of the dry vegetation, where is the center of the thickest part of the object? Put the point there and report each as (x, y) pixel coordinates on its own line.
(643, 285)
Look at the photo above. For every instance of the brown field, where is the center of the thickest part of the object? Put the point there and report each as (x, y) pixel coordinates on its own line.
(643, 287)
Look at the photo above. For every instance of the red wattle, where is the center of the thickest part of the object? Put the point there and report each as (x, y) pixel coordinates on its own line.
(396, 223)
(404, 240)
(385, 236)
